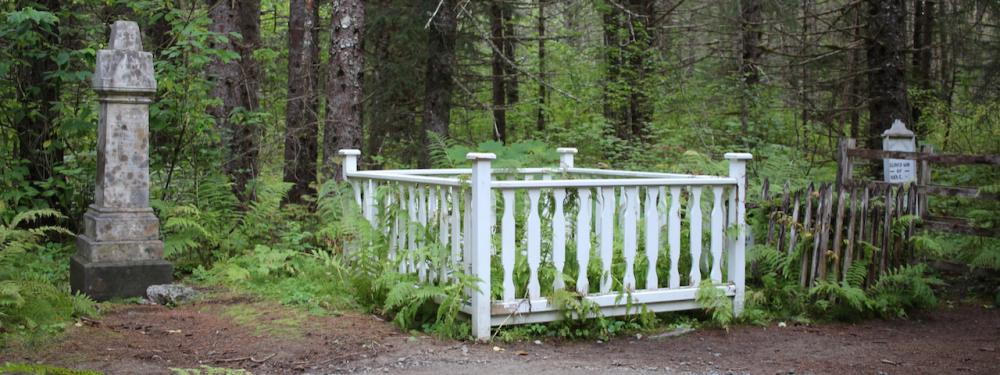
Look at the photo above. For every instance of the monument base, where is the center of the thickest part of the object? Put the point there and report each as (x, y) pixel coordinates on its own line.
(106, 280)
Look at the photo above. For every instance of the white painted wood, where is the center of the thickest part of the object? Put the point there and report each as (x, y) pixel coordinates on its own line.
(411, 227)
(401, 229)
(402, 177)
(662, 206)
(419, 260)
(456, 227)
(674, 235)
(652, 237)
(718, 230)
(630, 244)
(368, 209)
(695, 245)
(538, 311)
(356, 186)
(583, 240)
(508, 231)
(559, 238)
(393, 220)
(443, 234)
(566, 157)
(480, 241)
(737, 171)
(607, 236)
(534, 244)
(467, 234)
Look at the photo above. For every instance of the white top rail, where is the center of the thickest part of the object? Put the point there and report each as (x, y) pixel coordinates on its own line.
(400, 177)
(613, 182)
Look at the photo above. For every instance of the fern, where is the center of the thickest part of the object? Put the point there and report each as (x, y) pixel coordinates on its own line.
(716, 303)
(903, 289)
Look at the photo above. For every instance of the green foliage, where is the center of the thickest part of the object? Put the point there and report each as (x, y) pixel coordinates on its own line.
(40, 369)
(904, 289)
(716, 303)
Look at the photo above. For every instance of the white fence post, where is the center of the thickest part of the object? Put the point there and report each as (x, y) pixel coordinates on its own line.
(737, 254)
(480, 241)
(566, 157)
(350, 166)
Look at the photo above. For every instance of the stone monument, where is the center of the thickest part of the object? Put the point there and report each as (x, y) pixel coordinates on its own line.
(899, 138)
(119, 253)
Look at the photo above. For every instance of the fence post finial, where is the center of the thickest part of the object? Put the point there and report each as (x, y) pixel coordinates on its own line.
(737, 254)
(566, 157)
(350, 160)
(479, 241)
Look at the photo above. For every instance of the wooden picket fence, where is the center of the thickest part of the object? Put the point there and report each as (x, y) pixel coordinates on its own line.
(837, 227)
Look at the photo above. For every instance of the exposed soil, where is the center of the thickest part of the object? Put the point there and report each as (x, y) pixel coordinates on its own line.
(268, 339)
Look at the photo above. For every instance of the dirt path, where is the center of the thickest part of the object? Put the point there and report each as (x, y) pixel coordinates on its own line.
(268, 339)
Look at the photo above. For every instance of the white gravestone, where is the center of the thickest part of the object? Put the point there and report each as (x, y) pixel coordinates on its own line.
(899, 138)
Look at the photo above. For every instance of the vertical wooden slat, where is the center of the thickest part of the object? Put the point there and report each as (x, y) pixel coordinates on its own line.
(806, 229)
(912, 209)
(629, 235)
(534, 244)
(508, 230)
(662, 205)
(695, 245)
(558, 237)
(838, 230)
(456, 226)
(369, 201)
(794, 226)
(890, 207)
(607, 236)
(824, 244)
(852, 219)
(766, 195)
(443, 234)
(583, 240)
(467, 231)
(411, 227)
(818, 232)
(674, 235)
(901, 210)
(784, 211)
(422, 220)
(718, 232)
(652, 237)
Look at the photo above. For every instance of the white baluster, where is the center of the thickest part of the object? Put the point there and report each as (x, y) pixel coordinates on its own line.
(629, 241)
(394, 229)
(508, 230)
(652, 237)
(534, 244)
(442, 216)
(411, 228)
(481, 193)
(369, 201)
(718, 229)
(695, 215)
(607, 236)
(402, 225)
(467, 234)
(662, 206)
(583, 240)
(674, 235)
(456, 227)
(422, 231)
(558, 238)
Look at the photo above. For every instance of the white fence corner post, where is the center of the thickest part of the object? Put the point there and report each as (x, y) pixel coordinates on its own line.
(480, 242)
(566, 157)
(350, 165)
(737, 254)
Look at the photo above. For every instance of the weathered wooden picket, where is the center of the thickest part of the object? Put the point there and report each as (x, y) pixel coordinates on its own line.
(855, 219)
(596, 217)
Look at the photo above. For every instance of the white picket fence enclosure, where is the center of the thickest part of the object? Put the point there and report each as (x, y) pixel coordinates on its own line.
(610, 222)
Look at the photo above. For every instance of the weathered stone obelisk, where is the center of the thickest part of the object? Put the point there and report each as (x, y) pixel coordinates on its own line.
(119, 253)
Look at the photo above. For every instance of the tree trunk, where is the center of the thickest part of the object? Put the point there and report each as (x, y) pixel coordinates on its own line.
(509, 52)
(236, 85)
(342, 128)
(750, 24)
(923, 32)
(438, 84)
(887, 70)
(628, 46)
(301, 126)
(540, 117)
(498, 71)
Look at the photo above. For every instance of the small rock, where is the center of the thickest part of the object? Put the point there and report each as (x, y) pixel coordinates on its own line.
(465, 350)
(538, 342)
(170, 294)
(782, 324)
